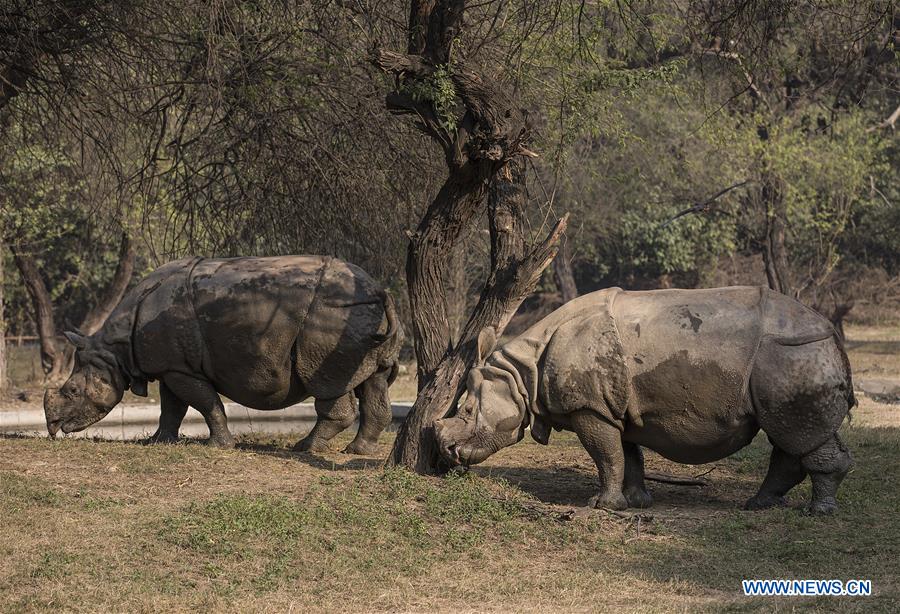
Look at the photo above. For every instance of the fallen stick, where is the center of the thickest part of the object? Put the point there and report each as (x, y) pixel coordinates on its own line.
(674, 479)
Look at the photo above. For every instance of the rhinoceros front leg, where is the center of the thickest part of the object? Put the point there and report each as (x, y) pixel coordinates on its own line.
(172, 411)
(200, 395)
(603, 441)
(374, 413)
(633, 484)
(785, 472)
(334, 415)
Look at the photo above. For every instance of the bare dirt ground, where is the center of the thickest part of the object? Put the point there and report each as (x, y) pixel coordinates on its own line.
(112, 526)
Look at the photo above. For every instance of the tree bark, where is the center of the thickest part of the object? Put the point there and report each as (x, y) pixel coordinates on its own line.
(430, 250)
(514, 274)
(775, 252)
(3, 362)
(562, 272)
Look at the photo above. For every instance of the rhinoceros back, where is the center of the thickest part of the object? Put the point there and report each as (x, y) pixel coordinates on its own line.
(267, 332)
(689, 351)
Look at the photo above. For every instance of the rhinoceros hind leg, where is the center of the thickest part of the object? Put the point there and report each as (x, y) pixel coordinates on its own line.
(334, 415)
(633, 485)
(785, 472)
(374, 413)
(603, 441)
(200, 395)
(172, 412)
(827, 465)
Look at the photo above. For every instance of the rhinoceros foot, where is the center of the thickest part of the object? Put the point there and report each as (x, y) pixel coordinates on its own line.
(161, 437)
(363, 448)
(822, 507)
(314, 444)
(610, 501)
(221, 441)
(763, 502)
(637, 497)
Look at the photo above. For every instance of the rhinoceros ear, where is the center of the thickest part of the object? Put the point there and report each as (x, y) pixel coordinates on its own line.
(487, 339)
(75, 339)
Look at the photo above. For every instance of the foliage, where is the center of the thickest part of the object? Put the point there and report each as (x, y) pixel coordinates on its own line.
(259, 127)
(439, 91)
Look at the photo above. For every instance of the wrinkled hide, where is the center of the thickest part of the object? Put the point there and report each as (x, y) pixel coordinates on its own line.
(93, 389)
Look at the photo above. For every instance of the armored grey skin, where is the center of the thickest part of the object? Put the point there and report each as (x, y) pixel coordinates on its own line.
(691, 374)
(265, 332)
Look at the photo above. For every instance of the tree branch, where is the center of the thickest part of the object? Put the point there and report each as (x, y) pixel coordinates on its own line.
(890, 122)
(114, 291)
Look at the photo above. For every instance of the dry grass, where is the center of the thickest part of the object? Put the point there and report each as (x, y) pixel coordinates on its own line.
(109, 526)
(874, 352)
(103, 526)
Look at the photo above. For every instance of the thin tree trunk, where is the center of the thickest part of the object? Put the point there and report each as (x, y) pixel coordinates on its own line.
(562, 272)
(113, 293)
(4, 381)
(52, 355)
(837, 317)
(775, 251)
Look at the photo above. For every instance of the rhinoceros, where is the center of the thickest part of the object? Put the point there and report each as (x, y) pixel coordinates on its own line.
(265, 332)
(690, 374)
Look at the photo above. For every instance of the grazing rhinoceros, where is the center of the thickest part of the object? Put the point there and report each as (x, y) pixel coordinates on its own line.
(691, 374)
(266, 332)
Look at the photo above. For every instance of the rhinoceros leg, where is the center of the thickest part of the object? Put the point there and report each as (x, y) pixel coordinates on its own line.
(827, 465)
(172, 411)
(633, 484)
(200, 395)
(334, 415)
(374, 413)
(603, 441)
(785, 472)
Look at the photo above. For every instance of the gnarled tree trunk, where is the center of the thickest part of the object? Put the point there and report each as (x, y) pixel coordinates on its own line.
(480, 144)
(515, 270)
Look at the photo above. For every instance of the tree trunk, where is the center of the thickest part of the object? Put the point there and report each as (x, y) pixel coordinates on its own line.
(53, 357)
(837, 317)
(775, 252)
(430, 251)
(514, 273)
(113, 293)
(562, 272)
(478, 143)
(3, 363)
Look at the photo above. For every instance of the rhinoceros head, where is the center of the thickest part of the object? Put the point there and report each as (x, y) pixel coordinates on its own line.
(492, 417)
(94, 388)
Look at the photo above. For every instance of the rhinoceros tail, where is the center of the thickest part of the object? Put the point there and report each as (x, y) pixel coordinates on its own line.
(390, 313)
(851, 397)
